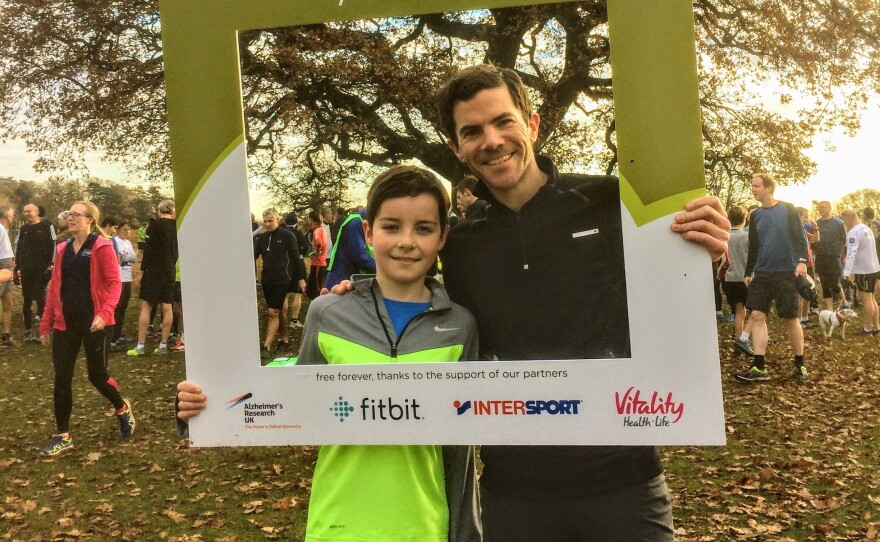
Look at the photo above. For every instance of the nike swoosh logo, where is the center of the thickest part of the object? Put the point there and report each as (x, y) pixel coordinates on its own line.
(438, 328)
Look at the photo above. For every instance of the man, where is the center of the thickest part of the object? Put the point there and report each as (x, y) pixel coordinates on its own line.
(604, 493)
(282, 266)
(828, 249)
(34, 254)
(294, 292)
(811, 230)
(318, 262)
(156, 276)
(350, 254)
(862, 268)
(777, 256)
(327, 221)
(470, 207)
(7, 261)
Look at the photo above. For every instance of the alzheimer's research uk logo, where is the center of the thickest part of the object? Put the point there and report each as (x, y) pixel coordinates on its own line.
(342, 409)
(654, 410)
(238, 400)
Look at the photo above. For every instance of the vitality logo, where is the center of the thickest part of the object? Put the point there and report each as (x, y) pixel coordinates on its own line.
(632, 403)
(517, 407)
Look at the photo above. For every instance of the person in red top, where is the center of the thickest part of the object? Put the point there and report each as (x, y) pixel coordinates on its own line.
(82, 298)
(318, 268)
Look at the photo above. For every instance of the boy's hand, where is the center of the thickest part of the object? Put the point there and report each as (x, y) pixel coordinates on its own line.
(704, 221)
(190, 400)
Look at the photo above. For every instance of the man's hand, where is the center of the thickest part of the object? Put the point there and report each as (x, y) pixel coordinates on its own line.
(44, 340)
(190, 400)
(800, 270)
(704, 222)
(302, 286)
(343, 287)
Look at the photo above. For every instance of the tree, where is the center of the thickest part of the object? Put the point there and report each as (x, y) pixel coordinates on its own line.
(860, 199)
(325, 103)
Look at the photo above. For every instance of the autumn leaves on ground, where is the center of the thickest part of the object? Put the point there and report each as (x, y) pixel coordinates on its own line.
(802, 461)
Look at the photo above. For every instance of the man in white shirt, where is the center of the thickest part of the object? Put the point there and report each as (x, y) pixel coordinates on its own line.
(862, 268)
(7, 261)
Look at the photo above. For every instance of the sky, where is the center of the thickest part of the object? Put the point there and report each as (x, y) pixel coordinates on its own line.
(851, 164)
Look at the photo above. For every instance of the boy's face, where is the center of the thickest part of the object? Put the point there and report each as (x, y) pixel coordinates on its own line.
(406, 236)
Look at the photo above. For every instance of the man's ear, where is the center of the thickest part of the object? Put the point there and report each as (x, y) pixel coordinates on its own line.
(534, 123)
(454, 146)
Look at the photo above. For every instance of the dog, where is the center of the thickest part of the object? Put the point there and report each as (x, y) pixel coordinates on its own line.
(830, 320)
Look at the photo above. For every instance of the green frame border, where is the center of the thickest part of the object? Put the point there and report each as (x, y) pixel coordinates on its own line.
(657, 113)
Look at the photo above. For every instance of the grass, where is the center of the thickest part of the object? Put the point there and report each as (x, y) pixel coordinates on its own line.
(801, 463)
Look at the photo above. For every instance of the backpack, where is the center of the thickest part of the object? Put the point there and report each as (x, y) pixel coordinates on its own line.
(305, 245)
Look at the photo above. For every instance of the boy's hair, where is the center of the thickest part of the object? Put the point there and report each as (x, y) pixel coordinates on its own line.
(464, 85)
(271, 212)
(469, 183)
(767, 180)
(736, 215)
(403, 181)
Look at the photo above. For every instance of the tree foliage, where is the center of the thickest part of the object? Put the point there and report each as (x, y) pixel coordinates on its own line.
(860, 199)
(325, 104)
(56, 194)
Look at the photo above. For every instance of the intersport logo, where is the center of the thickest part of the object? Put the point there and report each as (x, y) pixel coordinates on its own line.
(632, 402)
(517, 407)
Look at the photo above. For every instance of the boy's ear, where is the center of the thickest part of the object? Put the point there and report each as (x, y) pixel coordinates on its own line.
(368, 232)
(443, 235)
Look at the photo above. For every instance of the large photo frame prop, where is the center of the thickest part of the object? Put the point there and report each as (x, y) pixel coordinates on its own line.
(667, 393)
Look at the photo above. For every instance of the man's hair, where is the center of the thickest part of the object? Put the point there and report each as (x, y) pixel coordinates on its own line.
(465, 84)
(407, 181)
(802, 211)
(4, 209)
(826, 202)
(41, 211)
(122, 222)
(166, 207)
(736, 215)
(868, 214)
(848, 215)
(768, 181)
(315, 217)
(109, 221)
(469, 183)
(271, 212)
(290, 218)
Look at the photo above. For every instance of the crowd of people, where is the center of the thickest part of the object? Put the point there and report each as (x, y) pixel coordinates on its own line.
(508, 248)
(776, 254)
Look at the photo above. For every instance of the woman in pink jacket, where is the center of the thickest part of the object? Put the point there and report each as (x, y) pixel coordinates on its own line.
(82, 297)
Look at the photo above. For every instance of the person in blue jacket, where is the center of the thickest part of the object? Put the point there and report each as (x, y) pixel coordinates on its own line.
(350, 254)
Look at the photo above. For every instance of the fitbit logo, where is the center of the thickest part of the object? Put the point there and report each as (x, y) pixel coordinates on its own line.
(390, 410)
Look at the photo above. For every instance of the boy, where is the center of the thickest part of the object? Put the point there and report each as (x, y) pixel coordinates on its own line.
(388, 493)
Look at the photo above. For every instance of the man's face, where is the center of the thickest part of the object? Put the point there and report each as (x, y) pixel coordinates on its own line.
(31, 213)
(123, 232)
(270, 222)
(759, 192)
(8, 218)
(825, 210)
(463, 198)
(494, 139)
